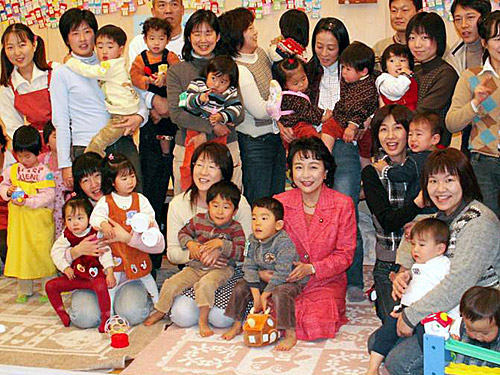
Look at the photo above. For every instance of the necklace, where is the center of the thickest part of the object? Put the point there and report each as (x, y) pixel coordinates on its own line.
(309, 205)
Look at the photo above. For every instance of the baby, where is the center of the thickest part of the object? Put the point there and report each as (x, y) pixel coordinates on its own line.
(268, 248)
(120, 97)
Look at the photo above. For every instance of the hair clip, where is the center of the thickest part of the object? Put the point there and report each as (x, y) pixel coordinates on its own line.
(291, 61)
(111, 157)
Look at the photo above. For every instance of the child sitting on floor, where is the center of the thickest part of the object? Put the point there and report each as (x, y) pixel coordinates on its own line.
(207, 232)
(268, 248)
(85, 272)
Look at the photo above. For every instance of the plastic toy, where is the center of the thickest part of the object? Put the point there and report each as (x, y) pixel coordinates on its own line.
(438, 324)
(19, 195)
(260, 329)
(117, 329)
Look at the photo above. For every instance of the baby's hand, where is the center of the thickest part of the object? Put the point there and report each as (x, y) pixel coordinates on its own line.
(406, 71)
(194, 250)
(327, 115)
(198, 140)
(161, 80)
(380, 165)
(107, 230)
(70, 274)
(215, 118)
(110, 278)
(19, 201)
(11, 190)
(204, 97)
(350, 133)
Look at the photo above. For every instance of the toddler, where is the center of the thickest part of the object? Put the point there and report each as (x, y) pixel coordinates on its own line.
(29, 187)
(149, 72)
(358, 99)
(215, 230)
(268, 248)
(85, 272)
(424, 135)
(120, 97)
(396, 85)
(480, 322)
(429, 239)
(294, 38)
(118, 207)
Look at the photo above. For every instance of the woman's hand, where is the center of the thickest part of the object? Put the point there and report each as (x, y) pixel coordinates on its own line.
(89, 246)
(129, 124)
(403, 329)
(419, 200)
(120, 234)
(67, 176)
(483, 90)
(154, 116)
(266, 275)
(300, 271)
(221, 130)
(407, 229)
(160, 105)
(400, 283)
(286, 134)
(210, 258)
(350, 133)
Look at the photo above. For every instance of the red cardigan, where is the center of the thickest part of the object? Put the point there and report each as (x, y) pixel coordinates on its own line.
(329, 245)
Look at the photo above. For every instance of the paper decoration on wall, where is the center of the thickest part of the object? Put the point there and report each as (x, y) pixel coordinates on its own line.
(441, 7)
(213, 5)
(46, 13)
(347, 2)
(263, 8)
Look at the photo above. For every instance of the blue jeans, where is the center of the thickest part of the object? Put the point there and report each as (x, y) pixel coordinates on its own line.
(264, 165)
(347, 180)
(487, 170)
(185, 313)
(132, 302)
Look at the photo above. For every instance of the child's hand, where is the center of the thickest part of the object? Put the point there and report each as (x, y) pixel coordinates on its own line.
(212, 245)
(204, 97)
(455, 337)
(263, 299)
(406, 71)
(395, 314)
(19, 201)
(194, 249)
(110, 278)
(380, 165)
(276, 40)
(107, 230)
(11, 190)
(483, 90)
(161, 80)
(257, 305)
(198, 140)
(350, 133)
(215, 119)
(327, 115)
(70, 274)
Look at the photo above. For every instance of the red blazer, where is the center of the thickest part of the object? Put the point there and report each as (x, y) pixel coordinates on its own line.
(329, 245)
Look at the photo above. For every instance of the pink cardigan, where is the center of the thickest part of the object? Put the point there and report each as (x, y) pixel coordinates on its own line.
(329, 245)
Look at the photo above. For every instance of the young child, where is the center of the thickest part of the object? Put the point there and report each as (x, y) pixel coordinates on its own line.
(30, 189)
(215, 230)
(429, 239)
(268, 248)
(294, 38)
(50, 160)
(358, 100)
(296, 110)
(85, 272)
(424, 135)
(118, 207)
(120, 97)
(149, 72)
(214, 97)
(480, 322)
(396, 85)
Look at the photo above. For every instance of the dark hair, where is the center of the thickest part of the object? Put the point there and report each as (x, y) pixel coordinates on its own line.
(221, 65)
(416, 3)
(115, 165)
(273, 205)
(359, 56)
(83, 166)
(72, 19)
(226, 190)
(77, 202)
(294, 24)
(23, 33)
(481, 6)
(48, 129)
(430, 118)
(430, 24)
(401, 114)
(220, 155)
(27, 138)
(435, 227)
(198, 18)
(312, 148)
(282, 70)
(3, 140)
(399, 50)
(452, 161)
(481, 302)
(154, 23)
(488, 27)
(114, 33)
(233, 24)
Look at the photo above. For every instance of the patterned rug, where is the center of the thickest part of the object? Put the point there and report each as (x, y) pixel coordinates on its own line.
(179, 351)
(35, 336)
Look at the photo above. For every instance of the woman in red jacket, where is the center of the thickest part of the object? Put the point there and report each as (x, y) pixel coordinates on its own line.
(322, 224)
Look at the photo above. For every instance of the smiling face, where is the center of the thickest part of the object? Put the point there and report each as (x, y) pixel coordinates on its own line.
(296, 80)
(395, 64)
(308, 173)
(205, 173)
(81, 40)
(125, 183)
(326, 48)
(220, 210)
(422, 47)
(401, 13)
(203, 40)
(107, 48)
(445, 191)
(156, 40)
(493, 47)
(20, 51)
(392, 138)
(465, 21)
(250, 40)
(76, 220)
(420, 137)
(91, 186)
(264, 224)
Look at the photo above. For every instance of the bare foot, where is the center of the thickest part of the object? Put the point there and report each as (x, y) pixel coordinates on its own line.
(234, 331)
(205, 330)
(156, 316)
(288, 342)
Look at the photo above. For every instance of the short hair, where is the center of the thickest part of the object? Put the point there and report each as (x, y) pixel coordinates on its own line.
(77, 202)
(294, 24)
(401, 114)
(359, 56)
(73, 18)
(481, 302)
(226, 190)
(431, 24)
(48, 129)
(435, 227)
(198, 18)
(27, 138)
(224, 64)
(84, 166)
(271, 204)
(454, 162)
(233, 25)
(283, 69)
(154, 23)
(416, 3)
(399, 50)
(430, 118)
(114, 33)
(313, 148)
(481, 6)
(113, 166)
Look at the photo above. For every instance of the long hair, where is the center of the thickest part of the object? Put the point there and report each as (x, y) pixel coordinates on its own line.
(233, 25)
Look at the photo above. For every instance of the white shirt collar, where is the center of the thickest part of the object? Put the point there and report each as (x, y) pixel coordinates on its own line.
(487, 67)
(17, 79)
(332, 69)
(249, 58)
